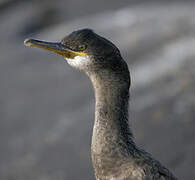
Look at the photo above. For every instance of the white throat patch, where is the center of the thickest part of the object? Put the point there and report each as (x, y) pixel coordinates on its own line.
(79, 62)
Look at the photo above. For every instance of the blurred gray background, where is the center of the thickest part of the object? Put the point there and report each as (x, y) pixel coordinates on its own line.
(47, 108)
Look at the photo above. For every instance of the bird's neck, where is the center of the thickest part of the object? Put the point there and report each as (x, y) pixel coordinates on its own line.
(112, 137)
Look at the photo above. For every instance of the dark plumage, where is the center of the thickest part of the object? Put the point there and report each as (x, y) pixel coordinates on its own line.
(114, 153)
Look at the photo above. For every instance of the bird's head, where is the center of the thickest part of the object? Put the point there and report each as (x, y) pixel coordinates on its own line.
(96, 56)
(83, 49)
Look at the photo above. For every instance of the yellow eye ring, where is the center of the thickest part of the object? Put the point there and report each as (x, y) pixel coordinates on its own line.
(82, 47)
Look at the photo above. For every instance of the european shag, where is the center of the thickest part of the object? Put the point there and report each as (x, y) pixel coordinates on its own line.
(115, 155)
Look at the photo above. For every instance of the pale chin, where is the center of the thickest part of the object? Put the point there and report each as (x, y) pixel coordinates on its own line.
(79, 62)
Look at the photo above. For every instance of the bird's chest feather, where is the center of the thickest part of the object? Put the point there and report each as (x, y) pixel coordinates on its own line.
(114, 168)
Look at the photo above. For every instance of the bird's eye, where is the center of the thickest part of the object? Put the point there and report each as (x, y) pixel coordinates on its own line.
(82, 47)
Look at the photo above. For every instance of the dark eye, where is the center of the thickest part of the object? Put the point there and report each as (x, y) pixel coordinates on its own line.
(82, 47)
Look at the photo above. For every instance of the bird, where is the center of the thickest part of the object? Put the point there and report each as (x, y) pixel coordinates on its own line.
(114, 153)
